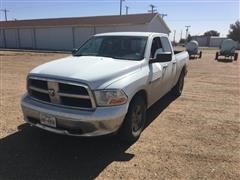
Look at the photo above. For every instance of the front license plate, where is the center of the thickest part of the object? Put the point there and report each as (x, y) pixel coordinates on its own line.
(48, 120)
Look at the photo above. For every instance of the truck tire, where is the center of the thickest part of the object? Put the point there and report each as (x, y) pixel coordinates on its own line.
(178, 88)
(134, 121)
(235, 56)
(216, 57)
(200, 55)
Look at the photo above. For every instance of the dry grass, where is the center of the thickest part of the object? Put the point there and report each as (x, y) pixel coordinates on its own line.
(196, 136)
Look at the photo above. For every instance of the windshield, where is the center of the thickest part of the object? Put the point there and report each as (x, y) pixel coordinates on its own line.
(118, 47)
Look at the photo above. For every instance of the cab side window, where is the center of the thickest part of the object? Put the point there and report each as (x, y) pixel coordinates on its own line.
(156, 46)
(166, 45)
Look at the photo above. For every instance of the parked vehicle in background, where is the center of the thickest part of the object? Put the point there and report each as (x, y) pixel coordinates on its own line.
(106, 85)
(192, 49)
(227, 49)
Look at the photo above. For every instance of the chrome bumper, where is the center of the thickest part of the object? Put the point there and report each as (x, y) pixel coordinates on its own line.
(75, 122)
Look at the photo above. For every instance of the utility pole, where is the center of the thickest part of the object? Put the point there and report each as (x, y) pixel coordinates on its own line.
(127, 7)
(153, 8)
(121, 1)
(163, 15)
(187, 28)
(181, 35)
(174, 36)
(5, 13)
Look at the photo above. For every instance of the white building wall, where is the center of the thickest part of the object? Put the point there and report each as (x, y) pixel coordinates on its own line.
(140, 28)
(67, 37)
(26, 38)
(203, 41)
(11, 38)
(104, 29)
(216, 41)
(82, 34)
(156, 26)
(54, 38)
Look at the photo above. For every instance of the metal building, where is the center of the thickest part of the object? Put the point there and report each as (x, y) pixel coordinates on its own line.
(69, 33)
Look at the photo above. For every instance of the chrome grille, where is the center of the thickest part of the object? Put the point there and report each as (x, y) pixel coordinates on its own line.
(62, 93)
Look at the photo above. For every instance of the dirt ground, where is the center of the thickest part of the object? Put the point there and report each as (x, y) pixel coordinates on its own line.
(196, 136)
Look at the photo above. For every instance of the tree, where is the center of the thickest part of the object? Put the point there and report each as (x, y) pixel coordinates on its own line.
(234, 32)
(211, 33)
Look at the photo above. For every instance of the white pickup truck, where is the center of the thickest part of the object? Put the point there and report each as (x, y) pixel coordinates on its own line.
(105, 86)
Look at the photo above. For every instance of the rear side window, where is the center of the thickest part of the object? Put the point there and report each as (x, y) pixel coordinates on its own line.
(166, 44)
(156, 45)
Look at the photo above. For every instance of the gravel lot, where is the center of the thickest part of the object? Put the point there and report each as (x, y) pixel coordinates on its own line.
(196, 136)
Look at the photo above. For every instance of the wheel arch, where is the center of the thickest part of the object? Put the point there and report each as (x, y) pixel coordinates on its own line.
(141, 93)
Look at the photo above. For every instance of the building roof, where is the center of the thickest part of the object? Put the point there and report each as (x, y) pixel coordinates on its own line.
(84, 21)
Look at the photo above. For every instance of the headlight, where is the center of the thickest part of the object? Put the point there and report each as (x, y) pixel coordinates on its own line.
(110, 97)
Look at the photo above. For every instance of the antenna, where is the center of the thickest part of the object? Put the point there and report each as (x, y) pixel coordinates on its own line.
(5, 13)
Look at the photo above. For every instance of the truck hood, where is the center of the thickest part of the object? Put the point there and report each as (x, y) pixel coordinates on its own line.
(97, 72)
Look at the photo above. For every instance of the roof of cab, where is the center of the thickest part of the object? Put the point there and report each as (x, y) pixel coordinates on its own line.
(147, 34)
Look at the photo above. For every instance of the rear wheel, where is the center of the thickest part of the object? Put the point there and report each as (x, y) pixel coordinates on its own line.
(178, 88)
(134, 121)
(216, 57)
(235, 56)
(200, 55)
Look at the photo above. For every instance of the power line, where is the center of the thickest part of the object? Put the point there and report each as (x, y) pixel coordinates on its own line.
(153, 8)
(5, 13)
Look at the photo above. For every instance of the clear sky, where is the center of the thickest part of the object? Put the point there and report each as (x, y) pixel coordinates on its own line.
(201, 15)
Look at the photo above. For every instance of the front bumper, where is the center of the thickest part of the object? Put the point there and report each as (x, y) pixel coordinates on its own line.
(75, 122)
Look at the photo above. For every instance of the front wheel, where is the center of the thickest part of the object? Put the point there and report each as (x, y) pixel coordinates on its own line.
(134, 121)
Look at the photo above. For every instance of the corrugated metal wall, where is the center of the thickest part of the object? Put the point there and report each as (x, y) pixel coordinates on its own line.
(2, 41)
(203, 41)
(216, 41)
(62, 38)
(82, 34)
(26, 37)
(11, 36)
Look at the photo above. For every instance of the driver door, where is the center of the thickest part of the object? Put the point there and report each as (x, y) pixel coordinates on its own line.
(159, 75)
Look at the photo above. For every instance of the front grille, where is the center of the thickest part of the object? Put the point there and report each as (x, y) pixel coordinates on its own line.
(72, 89)
(61, 93)
(40, 96)
(38, 83)
(68, 101)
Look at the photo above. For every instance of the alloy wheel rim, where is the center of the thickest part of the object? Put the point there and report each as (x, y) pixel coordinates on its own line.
(181, 85)
(137, 117)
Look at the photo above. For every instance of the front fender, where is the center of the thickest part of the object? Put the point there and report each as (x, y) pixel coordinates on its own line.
(133, 83)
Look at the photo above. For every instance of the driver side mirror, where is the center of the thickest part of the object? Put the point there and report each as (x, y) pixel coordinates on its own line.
(161, 57)
(74, 51)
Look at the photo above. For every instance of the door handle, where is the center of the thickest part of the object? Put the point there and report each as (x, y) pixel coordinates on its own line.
(174, 62)
(165, 66)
